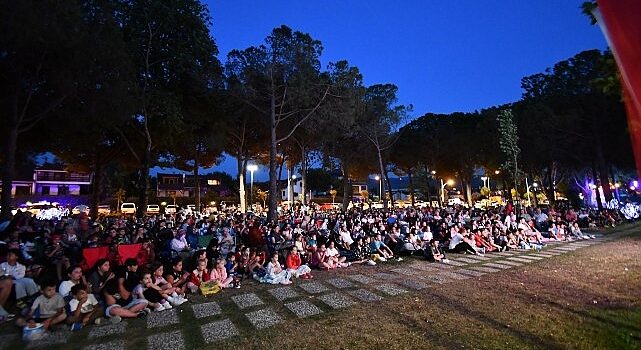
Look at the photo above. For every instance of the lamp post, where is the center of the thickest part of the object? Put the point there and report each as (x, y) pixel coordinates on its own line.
(251, 168)
(449, 182)
(292, 191)
(380, 188)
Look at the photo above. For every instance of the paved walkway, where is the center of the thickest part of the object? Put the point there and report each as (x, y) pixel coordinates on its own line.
(265, 306)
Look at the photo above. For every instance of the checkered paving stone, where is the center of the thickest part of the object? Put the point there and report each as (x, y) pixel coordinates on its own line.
(218, 330)
(567, 248)
(412, 284)
(406, 271)
(511, 263)
(519, 259)
(313, 287)
(361, 279)
(446, 266)
(543, 255)
(470, 272)
(480, 257)
(390, 289)
(206, 309)
(385, 276)
(264, 318)
(163, 318)
(501, 254)
(283, 293)
(453, 275)
(365, 295)
(463, 260)
(340, 283)
(484, 269)
(108, 329)
(51, 338)
(436, 279)
(337, 300)
(499, 266)
(451, 263)
(303, 308)
(166, 341)
(532, 257)
(246, 300)
(425, 266)
(112, 345)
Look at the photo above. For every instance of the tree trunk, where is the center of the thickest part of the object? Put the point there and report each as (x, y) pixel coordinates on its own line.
(290, 185)
(96, 185)
(603, 175)
(143, 198)
(389, 188)
(197, 180)
(551, 187)
(427, 185)
(383, 176)
(11, 146)
(346, 187)
(468, 191)
(303, 174)
(599, 203)
(241, 183)
(409, 174)
(273, 188)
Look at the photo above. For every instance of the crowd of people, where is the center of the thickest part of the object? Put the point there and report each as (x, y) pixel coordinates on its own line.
(45, 270)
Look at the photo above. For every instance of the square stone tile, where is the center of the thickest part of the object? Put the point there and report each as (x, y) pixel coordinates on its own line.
(438, 278)
(424, 266)
(390, 289)
(519, 259)
(112, 345)
(108, 329)
(166, 341)
(340, 283)
(531, 257)
(337, 300)
(303, 308)
(206, 309)
(543, 255)
(246, 300)
(453, 263)
(508, 262)
(56, 337)
(413, 284)
(406, 271)
(361, 279)
(163, 318)
(365, 295)
(453, 275)
(282, 293)
(463, 259)
(479, 257)
(218, 330)
(498, 266)
(470, 272)
(264, 318)
(314, 287)
(484, 269)
(385, 276)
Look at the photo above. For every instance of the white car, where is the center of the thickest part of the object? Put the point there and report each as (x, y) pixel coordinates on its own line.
(171, 209)
(128, 208)
(80, 209)
(104, 210)
(153, 209)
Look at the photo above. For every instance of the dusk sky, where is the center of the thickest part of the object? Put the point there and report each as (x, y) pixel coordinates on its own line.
(444, 56)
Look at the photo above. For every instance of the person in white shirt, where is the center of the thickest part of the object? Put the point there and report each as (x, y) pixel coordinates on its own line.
(179, 242)
(333, 254)
(24, 286)
(84, 308)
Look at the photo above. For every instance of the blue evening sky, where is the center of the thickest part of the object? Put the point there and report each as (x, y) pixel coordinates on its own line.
(444, 56)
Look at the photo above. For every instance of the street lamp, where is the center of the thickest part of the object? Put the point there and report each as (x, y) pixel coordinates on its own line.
(450, 183)
(380, 188)
(486, 178)
(251, 168)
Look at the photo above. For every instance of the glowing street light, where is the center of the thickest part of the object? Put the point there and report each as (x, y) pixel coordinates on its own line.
(251, 168)
(380, 187)
(450, 183)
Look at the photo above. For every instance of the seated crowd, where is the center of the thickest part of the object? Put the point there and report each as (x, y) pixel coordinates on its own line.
(46, 269)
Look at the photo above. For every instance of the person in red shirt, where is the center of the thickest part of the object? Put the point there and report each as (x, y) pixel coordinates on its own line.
(295, 265)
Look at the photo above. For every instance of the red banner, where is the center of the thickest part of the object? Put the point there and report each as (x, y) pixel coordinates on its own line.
(621, 22)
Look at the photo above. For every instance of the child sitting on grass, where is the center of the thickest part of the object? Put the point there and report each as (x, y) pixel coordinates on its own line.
(84, 308)
(165, 288)
(219, 274)
(152, 293)
(198, 276)
(48, 308)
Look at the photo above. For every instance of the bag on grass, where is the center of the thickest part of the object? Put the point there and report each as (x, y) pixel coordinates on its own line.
(209, 288)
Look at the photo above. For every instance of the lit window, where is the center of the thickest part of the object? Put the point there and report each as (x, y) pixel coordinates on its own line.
(213, 182)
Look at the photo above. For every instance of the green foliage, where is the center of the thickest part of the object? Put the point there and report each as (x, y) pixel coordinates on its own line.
(508, 143)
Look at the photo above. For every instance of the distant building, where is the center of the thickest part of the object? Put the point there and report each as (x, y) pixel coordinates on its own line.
(183, 186)
(52, 180)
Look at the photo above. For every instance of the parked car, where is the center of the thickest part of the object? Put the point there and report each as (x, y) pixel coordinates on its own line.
(80, 209)
(153, 209)
(128, 208)
(104, 209)
(171, 209)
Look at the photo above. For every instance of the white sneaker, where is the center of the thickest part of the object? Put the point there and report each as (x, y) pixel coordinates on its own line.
(399, 259)
(159, 308)
(445, 261)
(167, 305)
(382, 259)
(179, 301)
(371, 263)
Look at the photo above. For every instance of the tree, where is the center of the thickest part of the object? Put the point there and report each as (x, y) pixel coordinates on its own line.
(508, 142)
(281, 79)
